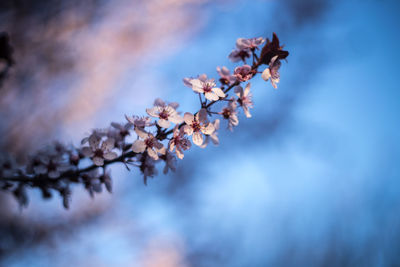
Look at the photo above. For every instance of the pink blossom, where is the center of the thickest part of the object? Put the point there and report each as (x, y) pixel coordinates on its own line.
(226, 77)
(170, 162)
(99, 150)
(179, 142)
(252, 43)
(243, 73)
(229, 113)
(272, 72)
(148, 143)
(213, 136)
(244, 99)
(165, 113)
(239, 54)
(188, 81)
(140, 122)
(196, 125)
(208, 88)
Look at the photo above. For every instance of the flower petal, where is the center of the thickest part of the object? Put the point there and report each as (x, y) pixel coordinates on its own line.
(138, 146)
(239, 91)
(218, 92)
(188, 129)
(197, 138)
(211, 96)
(208, 129)
(110, 155)
(87, 151)
(98, 161)
(177, 119)
(152, 153)
(163, 123)
(266, 74)
(153, 112)
(189, 118)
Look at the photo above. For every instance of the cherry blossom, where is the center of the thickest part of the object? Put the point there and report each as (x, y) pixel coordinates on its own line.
(229, 113)
(148, 143)
(243, 73)
(196, 125)
(99, 150)
(179, 142)
(140, 122)
(239, 54)
(252, 43)
(188, 81)
(165, 113)
(170, 162)
(208, 88)
(226, 77)
(213, 136)
(272, 72)
(244, 99)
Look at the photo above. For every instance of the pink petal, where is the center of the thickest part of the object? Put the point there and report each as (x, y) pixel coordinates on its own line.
(197, 138)
(138, 146)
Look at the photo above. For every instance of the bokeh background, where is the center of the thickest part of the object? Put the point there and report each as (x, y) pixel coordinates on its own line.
(310, 180)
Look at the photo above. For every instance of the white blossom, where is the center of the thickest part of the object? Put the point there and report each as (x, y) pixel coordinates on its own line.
(99, 150)
(272, 72)
(197, 126)
(244, 98)
(213, 136)
(179, 142)
(148, 143)
(165, 113)
(208, 88)
(226, 77)
(140, 122)
(229, 113)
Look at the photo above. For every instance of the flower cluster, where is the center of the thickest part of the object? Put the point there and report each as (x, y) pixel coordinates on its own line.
(163, 135)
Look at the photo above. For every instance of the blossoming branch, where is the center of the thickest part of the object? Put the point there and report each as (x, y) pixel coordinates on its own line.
(162, 135)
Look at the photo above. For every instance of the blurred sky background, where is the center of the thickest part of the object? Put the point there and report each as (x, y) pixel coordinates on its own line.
(310, 180)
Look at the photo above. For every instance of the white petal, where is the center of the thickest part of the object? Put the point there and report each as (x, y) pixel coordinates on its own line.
(98, 161)
(197, 138)
(188, 129)
(110, 155)
(214, 138)
(179, 154)
(247, 90)
(153, 112)
(216, 124)
(218, 92)
(152, 153)
(266, 74)
(188, 117)
(163, 123)
(138, 146)
(211, 96)
(208, 129)
(162, 150)
(246, 112)
(141, 133)
(177, 119)
(197, 85)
